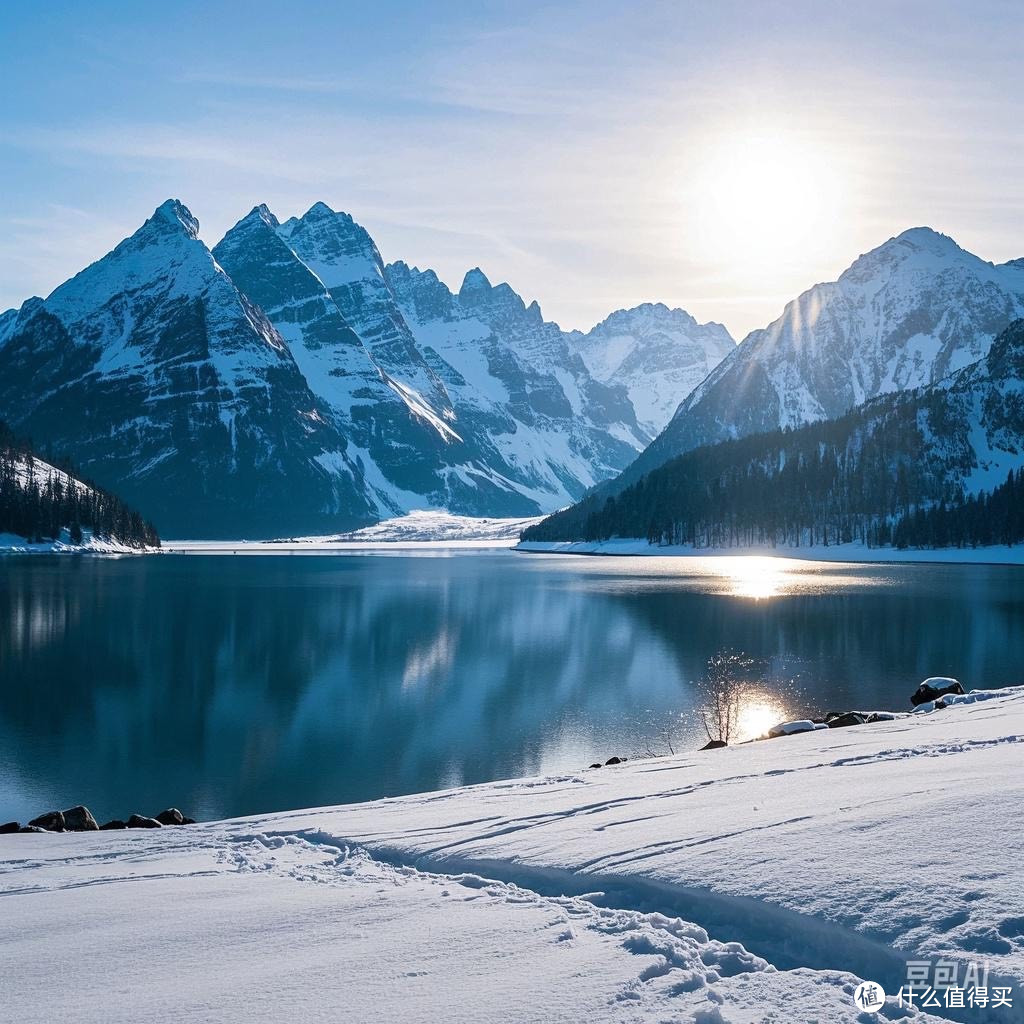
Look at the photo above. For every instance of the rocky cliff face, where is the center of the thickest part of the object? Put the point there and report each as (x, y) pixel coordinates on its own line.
(557, 430)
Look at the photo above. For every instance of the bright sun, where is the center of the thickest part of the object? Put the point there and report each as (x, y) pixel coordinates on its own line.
(763, 195)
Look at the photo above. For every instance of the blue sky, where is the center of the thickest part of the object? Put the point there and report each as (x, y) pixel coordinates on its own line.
(718, 156)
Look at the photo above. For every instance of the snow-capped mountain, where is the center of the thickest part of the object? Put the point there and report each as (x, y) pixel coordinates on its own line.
(484, 430)
(396, 438)
(288, 382)
(342, 255)
(906, 314)
(903, 468)
(513, 375)
(167, 385)
(659, 354)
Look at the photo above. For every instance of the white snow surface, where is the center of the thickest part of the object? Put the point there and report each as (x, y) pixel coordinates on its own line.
(12, 544)
(437, 525)
(421, 528)
(751, 884)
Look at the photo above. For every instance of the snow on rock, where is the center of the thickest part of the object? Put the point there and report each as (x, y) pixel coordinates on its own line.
(659, 354)
(549, 428)
(791, 728)
(435, 525)
(755, 883)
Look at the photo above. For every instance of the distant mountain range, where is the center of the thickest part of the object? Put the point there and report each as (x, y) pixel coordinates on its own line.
(931, 466)
(659, 354)
(906, 314)
(291, 382)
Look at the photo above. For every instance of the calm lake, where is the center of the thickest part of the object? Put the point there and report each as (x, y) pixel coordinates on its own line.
(233, 684)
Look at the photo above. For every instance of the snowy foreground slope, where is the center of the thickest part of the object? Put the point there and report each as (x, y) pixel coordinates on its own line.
(755, 883)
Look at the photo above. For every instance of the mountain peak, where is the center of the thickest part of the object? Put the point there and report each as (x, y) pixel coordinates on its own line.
(174, 212)
(474, 281)
(266, 215)
(319, 211)
(259, 213)
(927, 239)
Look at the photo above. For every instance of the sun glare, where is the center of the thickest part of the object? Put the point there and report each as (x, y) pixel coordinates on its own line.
(755, 576)
(764, 195)
(757, 716)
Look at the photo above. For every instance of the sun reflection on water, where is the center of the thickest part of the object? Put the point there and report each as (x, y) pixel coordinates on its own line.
(756, 576)
(757, 715)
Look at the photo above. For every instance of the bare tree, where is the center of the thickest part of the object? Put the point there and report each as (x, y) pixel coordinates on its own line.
(727, 684)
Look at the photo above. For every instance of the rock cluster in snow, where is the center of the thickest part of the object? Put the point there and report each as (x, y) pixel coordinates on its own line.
(80, 819)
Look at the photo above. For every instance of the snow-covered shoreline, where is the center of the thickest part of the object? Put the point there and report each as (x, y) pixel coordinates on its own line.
(994, 555)
(723, 887)
(415, 530)
(12, 544)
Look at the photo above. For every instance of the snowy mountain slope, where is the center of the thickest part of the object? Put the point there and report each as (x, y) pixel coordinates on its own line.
(872, 476)
(512, 374)
(733, 886)
(345, 259)
(496, 447)
(398, 441)
(659, 354)
(441, 526)
(906, 314)
(165, 384)
(972, 423)
(45, 508)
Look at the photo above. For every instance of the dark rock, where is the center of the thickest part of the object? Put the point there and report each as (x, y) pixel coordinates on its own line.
(615, 760)
(79, 819)
(188, 821)
(843, 721)
(714, 745)
(172, 816)
(115, 823)
(51, 821)
(597, 764)
(141, 821)
(935, 687)
(32, 828)
(9, 827)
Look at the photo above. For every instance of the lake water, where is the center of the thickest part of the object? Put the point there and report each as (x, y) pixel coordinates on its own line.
(229, 685)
